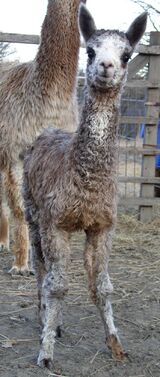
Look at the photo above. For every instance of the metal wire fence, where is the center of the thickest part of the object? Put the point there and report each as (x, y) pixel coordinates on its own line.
(131, 141)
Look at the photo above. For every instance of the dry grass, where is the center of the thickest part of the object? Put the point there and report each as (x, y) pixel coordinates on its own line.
(134, 269)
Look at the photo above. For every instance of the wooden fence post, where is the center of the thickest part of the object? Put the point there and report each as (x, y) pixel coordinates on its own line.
(150, 137)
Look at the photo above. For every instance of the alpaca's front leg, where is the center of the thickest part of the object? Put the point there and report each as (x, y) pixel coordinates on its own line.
(52, 312)
(4, 224)
(21, 242)
(4, 231)
(55, 248)
(98, 247)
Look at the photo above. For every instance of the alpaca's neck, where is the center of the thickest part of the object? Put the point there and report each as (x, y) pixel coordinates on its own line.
(97, 136)
(57, 56)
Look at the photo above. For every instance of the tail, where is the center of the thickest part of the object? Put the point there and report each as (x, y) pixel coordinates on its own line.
(4, 225)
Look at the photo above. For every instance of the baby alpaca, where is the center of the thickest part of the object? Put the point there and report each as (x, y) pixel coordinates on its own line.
(70, 184)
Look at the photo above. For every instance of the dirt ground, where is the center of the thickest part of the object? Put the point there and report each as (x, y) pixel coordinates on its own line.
(81, 352)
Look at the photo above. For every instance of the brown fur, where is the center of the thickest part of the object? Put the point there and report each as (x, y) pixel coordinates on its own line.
(21, 242)
(4, 226)
(34, 95)
(4, 230)
(70, 184)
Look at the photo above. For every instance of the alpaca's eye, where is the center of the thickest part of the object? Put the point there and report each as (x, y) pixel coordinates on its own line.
(91, 53)
(125, 57)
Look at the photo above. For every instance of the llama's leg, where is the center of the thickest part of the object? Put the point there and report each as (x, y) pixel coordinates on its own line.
(15, 202)
(98, 247)
(4, 224)
(56, 251)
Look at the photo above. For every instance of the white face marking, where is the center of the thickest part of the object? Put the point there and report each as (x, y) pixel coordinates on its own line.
(110, 55)
(106, 67)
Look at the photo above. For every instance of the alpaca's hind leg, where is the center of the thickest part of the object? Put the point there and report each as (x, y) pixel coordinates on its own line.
(98, 247)
(4, 224)
(56, 251)
(15, 202)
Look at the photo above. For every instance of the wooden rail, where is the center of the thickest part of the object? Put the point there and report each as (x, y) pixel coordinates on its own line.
(140, 151)
(138, 202)
(129, 84)
(35, 39)
(19, 38)
(150, 120)
(135, 179)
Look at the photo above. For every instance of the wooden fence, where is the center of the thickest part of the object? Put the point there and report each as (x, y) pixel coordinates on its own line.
(148, 56)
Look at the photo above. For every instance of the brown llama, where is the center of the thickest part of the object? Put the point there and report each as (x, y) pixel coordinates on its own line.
(32, 96)
(70, 184)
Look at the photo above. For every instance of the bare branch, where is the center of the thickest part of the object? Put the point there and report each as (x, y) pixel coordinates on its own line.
(146, 6)
(5, 50)
(150, 9)
(152, 22)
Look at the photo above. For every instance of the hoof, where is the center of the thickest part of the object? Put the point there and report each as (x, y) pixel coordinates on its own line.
(44, 362)
(21, 271)
(116, 348)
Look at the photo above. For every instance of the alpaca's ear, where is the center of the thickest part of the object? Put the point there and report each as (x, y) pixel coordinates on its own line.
(137, 29)
(86, 23)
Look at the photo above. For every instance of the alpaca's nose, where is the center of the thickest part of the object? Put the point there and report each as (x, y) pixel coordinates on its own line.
(106, 68)
(107, 64)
